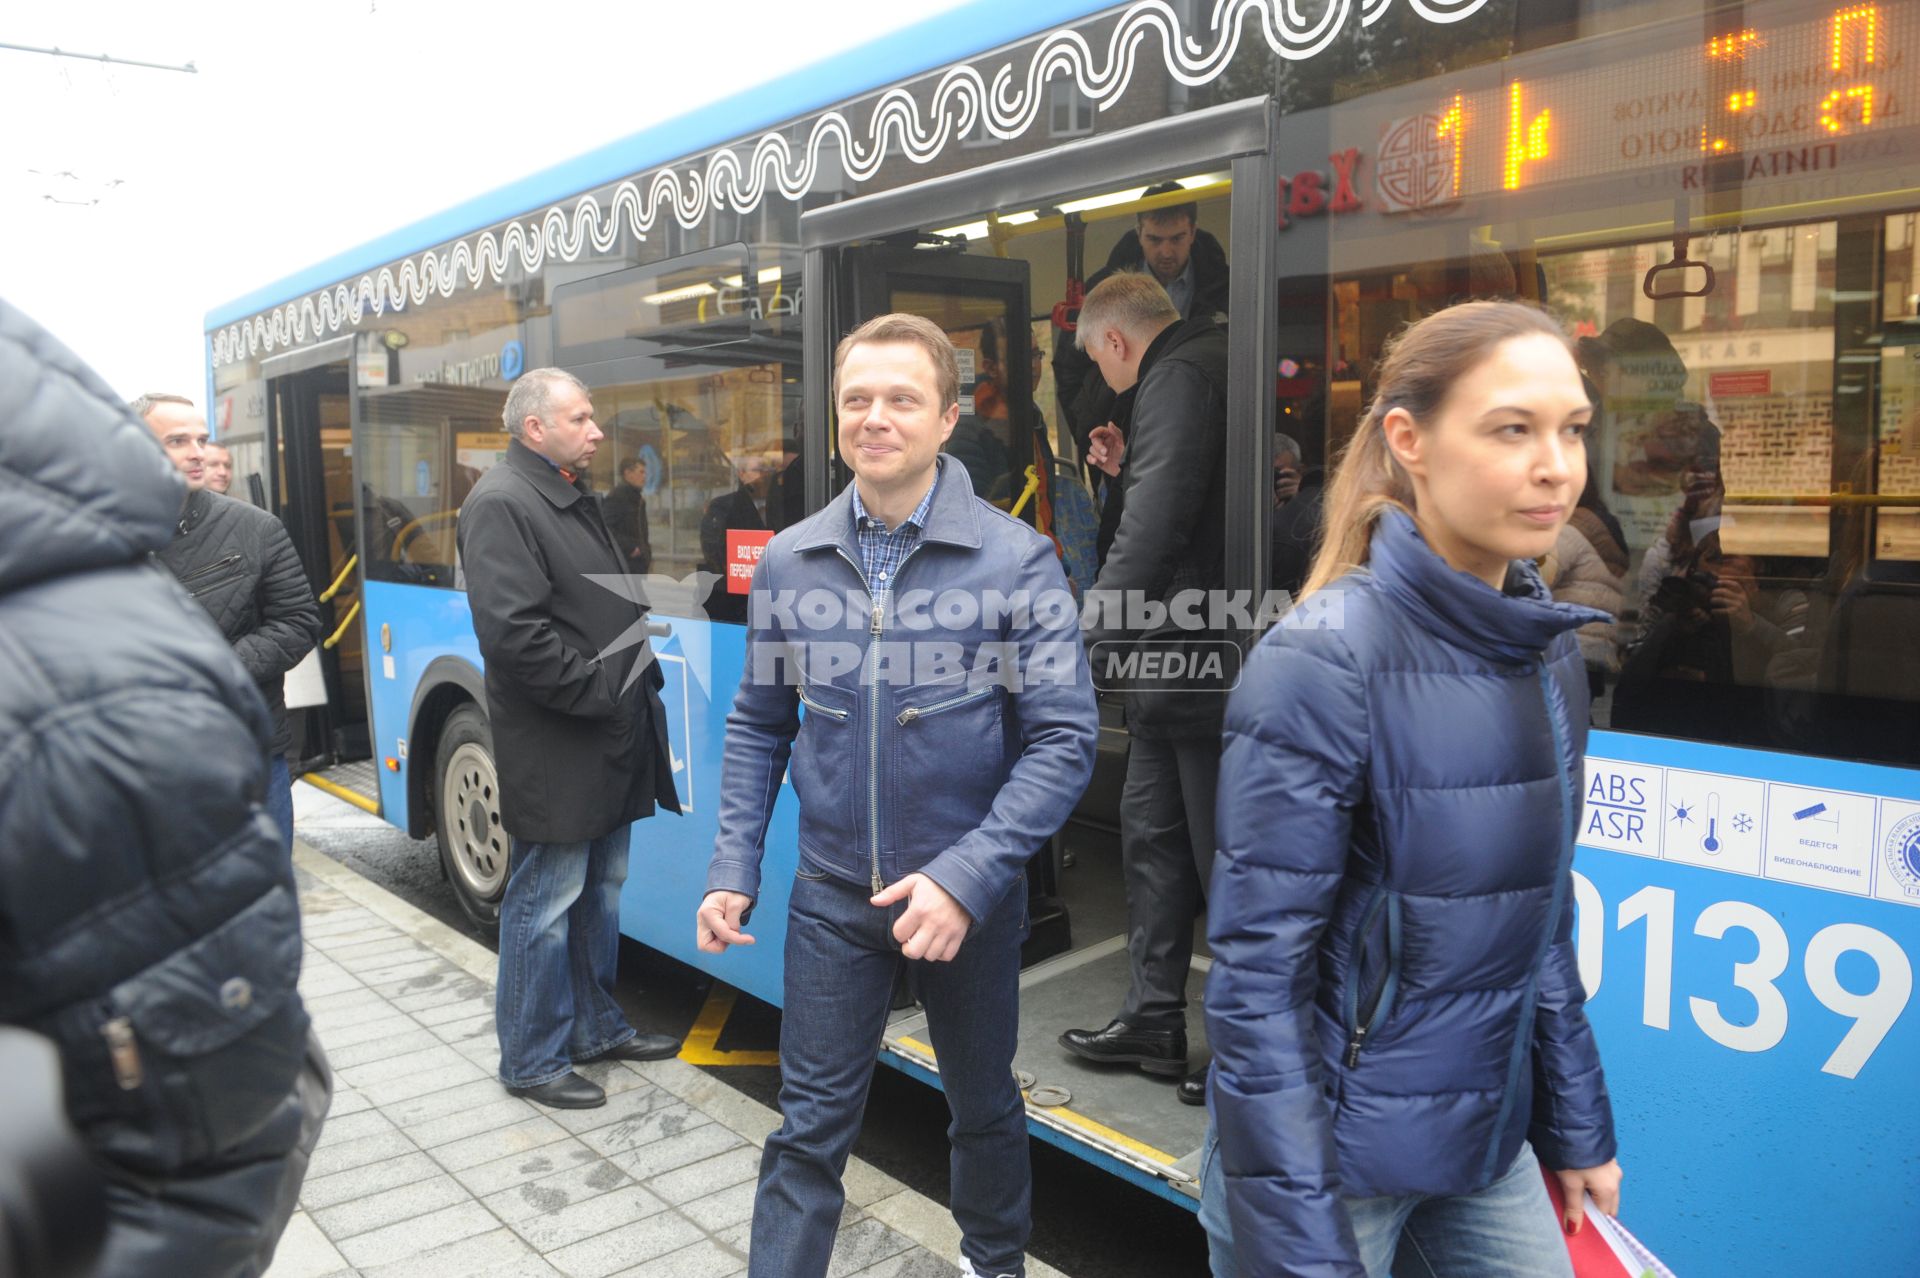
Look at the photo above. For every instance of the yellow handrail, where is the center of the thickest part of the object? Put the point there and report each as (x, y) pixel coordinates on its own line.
(1026, 494)
(1823, 499)
(346, 621)
(341, 580)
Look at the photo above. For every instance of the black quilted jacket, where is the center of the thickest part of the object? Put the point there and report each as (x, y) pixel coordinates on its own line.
(238, 561)
(148, 919)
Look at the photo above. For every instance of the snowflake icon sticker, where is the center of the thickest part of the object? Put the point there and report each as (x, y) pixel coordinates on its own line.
(1742, 822)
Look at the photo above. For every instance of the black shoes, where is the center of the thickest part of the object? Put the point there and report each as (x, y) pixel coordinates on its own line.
(1193, 1088)
(1159, 1052)
(569, 1091)
(643, 1047)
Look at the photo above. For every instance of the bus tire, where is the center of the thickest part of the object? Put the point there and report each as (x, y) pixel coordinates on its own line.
(473, 844)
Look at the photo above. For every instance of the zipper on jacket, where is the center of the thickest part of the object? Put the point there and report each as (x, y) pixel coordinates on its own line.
(1523, 1039)
(875, 629)
(123, 1052)
(920, 712)
(1365, 1022)
(207, 569)
(830, 711)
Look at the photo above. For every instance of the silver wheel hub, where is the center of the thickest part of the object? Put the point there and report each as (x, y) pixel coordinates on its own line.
(470, 802)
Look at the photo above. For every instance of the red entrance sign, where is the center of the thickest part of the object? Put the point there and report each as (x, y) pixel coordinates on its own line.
(1754, 381)
(744, 548)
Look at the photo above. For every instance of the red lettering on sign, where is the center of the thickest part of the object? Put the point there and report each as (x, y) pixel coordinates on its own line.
(1309, 195)
(1345, 165)
(744, 548)
(1756, 381)
(1280, 205)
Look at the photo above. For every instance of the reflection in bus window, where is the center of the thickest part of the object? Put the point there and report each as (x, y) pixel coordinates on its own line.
(1751, 516)
(425, 446)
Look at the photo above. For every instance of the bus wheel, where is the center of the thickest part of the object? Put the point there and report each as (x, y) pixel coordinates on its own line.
(473, 845)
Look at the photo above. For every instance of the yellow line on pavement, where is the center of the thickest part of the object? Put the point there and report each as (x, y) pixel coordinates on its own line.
(341, 792)
(1073, 1118)
(699, 1047)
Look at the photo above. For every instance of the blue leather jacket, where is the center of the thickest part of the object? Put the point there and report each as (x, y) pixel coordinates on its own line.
(932, 741)
(1394, 1003)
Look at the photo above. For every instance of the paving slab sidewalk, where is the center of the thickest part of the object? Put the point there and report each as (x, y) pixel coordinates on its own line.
(427, 1168)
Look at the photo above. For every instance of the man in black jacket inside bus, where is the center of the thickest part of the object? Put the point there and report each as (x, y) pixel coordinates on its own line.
(237, 561)
(1171, 540)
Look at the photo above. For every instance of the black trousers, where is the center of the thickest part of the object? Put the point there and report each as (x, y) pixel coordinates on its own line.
(1166, 849)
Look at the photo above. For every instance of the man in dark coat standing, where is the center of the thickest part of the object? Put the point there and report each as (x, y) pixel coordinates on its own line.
(581, 740)
(149, 922)
(237, 561)
(626, 509)
(1171, 540)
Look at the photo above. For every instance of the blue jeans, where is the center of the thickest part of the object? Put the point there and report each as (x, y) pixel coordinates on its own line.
(1507, 1230)
(280, 800)
(559, 951)
(841, 960)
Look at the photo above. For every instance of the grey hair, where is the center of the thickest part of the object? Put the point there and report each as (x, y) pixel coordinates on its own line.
(1130, 301)
(1286, 444)
(532, 396)
(146, 403)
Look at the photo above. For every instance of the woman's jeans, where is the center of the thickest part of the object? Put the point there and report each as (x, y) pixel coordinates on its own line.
(1507, 1230)
(559, 953)
(841, 961)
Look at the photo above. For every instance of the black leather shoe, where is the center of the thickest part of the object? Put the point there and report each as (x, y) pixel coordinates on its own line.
(569, 1091)
(1193, 1088)
(643, 1047)
(1161, 1052)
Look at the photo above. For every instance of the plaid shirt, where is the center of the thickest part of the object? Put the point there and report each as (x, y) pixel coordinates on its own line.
(882, 552)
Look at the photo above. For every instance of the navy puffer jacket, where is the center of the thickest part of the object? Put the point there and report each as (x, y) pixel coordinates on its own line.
(1394, 1003)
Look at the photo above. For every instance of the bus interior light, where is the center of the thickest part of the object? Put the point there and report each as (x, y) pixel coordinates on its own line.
(684, 294)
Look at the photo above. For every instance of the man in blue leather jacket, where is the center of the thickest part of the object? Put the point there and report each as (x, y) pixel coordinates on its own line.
(950, 729)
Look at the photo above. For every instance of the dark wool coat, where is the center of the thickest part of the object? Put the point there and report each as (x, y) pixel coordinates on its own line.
(579, 734)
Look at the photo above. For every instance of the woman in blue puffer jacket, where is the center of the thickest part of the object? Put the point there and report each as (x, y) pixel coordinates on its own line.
(1394, 1008)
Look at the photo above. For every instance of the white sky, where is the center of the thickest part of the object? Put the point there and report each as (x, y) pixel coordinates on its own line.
(316, 125)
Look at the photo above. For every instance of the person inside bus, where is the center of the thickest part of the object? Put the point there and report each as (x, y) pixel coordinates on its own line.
(626, 510)
(580, 736)
(1294, 533)
(1191, 265)
(748, 508)
(219, 468)
(937, 886)
(1171, 541)
(237, 561)
(1397, 1019)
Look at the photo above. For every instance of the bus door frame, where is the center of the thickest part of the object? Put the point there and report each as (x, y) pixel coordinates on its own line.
(1238, 135)
(297, 484)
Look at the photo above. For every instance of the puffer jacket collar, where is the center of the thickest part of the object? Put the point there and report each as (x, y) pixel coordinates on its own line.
(1513, 628)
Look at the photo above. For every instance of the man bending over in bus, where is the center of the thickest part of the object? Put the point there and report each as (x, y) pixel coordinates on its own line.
(239, 563)
(578, 734)
(956, 781)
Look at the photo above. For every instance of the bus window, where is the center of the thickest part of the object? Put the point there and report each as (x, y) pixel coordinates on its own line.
(426, 446)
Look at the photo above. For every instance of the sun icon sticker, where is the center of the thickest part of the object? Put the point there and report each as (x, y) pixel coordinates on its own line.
(1682, 812)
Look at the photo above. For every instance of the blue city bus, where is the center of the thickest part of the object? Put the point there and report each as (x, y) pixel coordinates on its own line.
(1722, 199)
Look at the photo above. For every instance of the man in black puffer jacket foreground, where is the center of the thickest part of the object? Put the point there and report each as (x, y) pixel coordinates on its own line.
(149, 923)
(238, 563)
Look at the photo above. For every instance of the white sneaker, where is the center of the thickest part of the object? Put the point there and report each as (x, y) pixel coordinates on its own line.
(968, 1271)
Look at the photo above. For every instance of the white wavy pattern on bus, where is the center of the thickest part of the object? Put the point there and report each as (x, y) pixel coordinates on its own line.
(960, 101)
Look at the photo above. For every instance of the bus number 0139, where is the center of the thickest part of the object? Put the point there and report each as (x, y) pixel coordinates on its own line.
(1873, 1012)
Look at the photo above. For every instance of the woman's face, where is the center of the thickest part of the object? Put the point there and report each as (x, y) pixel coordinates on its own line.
(1499, 469)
